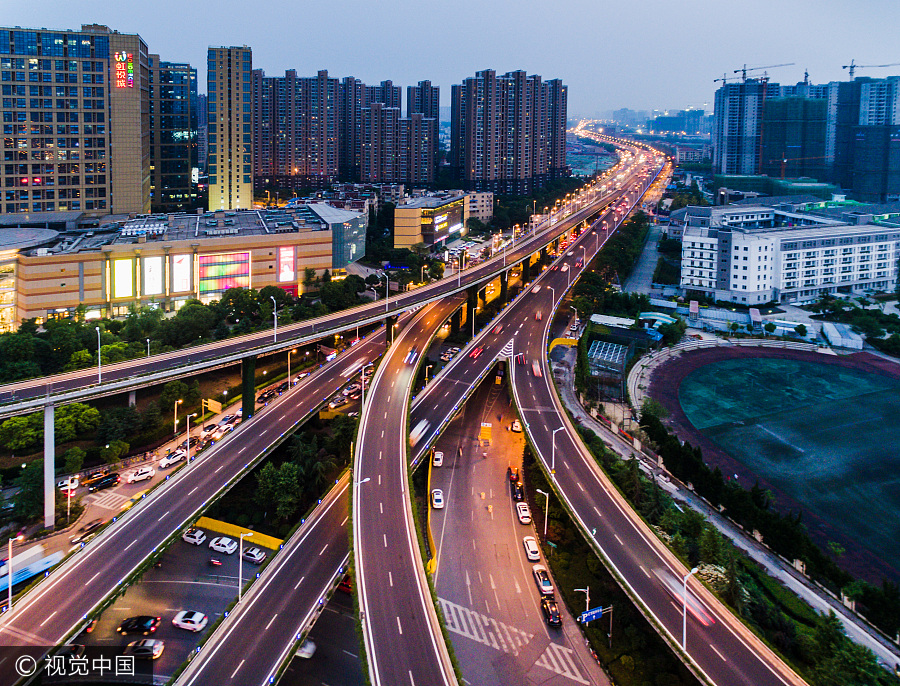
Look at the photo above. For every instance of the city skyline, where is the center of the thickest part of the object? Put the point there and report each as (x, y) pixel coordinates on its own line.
(428, 41)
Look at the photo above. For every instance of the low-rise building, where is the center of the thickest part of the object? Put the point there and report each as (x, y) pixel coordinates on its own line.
(431, 221)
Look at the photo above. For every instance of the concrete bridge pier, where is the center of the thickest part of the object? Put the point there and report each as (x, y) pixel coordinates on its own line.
(248, 387)
(49, 465)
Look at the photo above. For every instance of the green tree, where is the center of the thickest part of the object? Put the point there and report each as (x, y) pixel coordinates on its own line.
(29, 500)
(73, 460)
(711, 545)
(770, 328)
(801, 330)
(74, 420)
(22, 432)
(80, 359)
(114, 451)
(734, 327)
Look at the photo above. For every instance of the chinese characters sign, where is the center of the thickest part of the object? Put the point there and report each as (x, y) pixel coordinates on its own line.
(124, 70)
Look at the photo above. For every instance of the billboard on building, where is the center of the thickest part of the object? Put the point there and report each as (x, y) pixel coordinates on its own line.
(123, 278)
(222, 271)
(446, 221)
(153, 275)
(181, 273)
(286, 264)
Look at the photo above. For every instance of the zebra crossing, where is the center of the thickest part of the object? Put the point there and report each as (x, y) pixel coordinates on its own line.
(108, 501)
(500, 636)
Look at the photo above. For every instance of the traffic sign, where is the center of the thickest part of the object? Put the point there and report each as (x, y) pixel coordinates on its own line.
(591, 615)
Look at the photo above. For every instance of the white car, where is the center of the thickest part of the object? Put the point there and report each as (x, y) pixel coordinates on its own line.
(223, 544)
(532, 551)
(69, 484)
(523, 512)
(536, 288)
(255, 555)
(307, 649)
(438, 459)
(140, 474)
(437, 499)
(542, 579)
(193, 536)
(190, 620)
(172, 458)
(516, 426)
(352, 388)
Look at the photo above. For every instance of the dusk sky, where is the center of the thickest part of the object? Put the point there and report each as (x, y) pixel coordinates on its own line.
(651, 54)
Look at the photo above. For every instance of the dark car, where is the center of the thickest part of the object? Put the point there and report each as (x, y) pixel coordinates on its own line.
(518, 491)
(94, 477)
(87, 532)
(283, 387)
(71, 650)
(551, 612)
(107, 481)
(194, 441)
(144, 624)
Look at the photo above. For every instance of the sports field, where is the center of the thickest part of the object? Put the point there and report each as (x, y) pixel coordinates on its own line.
(826, 435)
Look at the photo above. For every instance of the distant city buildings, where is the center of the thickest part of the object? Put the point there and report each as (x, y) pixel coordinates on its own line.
(508, 133)
(846, 132)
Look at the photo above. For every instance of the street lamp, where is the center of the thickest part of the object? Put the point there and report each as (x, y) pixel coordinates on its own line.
(148, 347)
(275, 315)
(553, 290)
(9, 569)
(290, 352)
(553, 453)
(387, 289)
(684, 610)
(98, 354)
(427, 367)
(587, 596)
(188, 440)
(362, 384)
(175, 420)
(241, 563)
(546, 510)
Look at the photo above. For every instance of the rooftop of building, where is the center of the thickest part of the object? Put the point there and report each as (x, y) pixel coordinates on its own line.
(23, 238)
(431, 201)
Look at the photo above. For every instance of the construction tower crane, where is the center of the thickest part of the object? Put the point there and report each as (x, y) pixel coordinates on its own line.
(853, 66)
(743, 70)
(784, 159)
(724, 79)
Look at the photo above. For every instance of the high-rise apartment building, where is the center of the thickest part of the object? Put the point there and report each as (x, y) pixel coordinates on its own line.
(173, 136)
(425, 99)
(351, 99)
(736, 129)
(380, 154)
(417, 149)
(230, 136)
(75, 111)
(202, 131)
(508, 132)
(386, 93)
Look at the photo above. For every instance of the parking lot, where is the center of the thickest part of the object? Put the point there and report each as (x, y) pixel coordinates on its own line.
(184, 580)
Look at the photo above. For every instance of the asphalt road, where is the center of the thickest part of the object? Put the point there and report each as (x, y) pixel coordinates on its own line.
(51, 610)
(484, 582)
(400, 627)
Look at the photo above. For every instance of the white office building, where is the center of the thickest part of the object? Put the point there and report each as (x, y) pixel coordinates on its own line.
(753, 255)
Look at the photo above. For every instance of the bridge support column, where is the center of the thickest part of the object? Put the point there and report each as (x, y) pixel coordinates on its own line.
(248, 387)
(132, 398)
(471, 305)
(504, 286)
(49, 465)
(456, 320)
(390, 330)
(526, 270)
(542, 260)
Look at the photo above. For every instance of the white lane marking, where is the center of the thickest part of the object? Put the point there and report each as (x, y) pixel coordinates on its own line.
(390, 579)
(48, 618)
(345, 521)
(646, 573)
(323, 549)
(718, 653)
(242, 450)
(270, 622)
(618, 539)
(400, 629)
(166, 512)
(597, 511)
(380, 508)
(126, 548)
(237, 668)
(282, 417)
(219, 469)
(578, 483)
(385, 540)
(299, 582)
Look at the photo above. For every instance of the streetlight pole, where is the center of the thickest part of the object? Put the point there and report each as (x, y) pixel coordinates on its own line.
(427, 367)
(175, 419)
(362, 386)
(546, 510)
(148, 347)
(99, 378)
(275, 315)
(9, 569)
(587, 596)
(684, 609)
(188, 440)
(290, 352)
(387, 289)
(241, 563)
(553, 290)
(553, 453)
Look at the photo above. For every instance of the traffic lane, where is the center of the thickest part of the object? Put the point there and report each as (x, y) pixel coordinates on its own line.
(110, 557)
(398, 614)
(336, 660)
(272, 612)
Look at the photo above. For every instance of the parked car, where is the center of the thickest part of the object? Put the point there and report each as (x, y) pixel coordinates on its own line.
(532, 551)
(346, 585)
(70, 483)
(307, 649)
(146, 648)
(107, 481)
(352, 388)
(542, 579)
(438, 459)
(143, 624)
(551, 612)
(337, 402)
(518, 491)
(255, 555)
(282, 387)
(516, 426)
(95, 477)
(194, 536)
(512, 474)
(523, 512)
(437, 499)
(140, 474)
(172, 458)
(190, 620)
(223, 544)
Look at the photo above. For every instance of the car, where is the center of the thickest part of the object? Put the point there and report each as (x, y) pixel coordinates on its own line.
(346, 585)
(172, 458)
(184, 444)
(411, 355)
(536, 368)
(532, 551)
(140, 474)
(542, 579)
(418, 432)
(107, 481)
(355, 395)
(476, 352)
(142, 624)
(574, 327)
(352, 388)
(208, 430)
(146, 648)
(437, 499)
(550, 608)
(282, 387)
(438, 459)
(538, 316)
(518, 491)
(520, 358)
(194, 536)
(307, 649)
(536, 288)
(512, 474)
(675, 587)
(223, 544)
(190, 620)
(265, 397)
(95, 476)
(227, 419)
(523, 512)
(298, 378)
(254, 555)
(454, 350)
(71, 650)
(516, 426)
(87, 532)
(337, 402)
(68, 484)
(498, 328)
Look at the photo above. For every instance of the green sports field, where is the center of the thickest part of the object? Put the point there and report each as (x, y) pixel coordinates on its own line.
(825, 435)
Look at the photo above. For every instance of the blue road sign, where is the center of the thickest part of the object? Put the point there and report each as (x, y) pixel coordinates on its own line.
(591, 615)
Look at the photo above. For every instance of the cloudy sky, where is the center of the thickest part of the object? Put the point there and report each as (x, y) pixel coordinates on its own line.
(644, 54)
